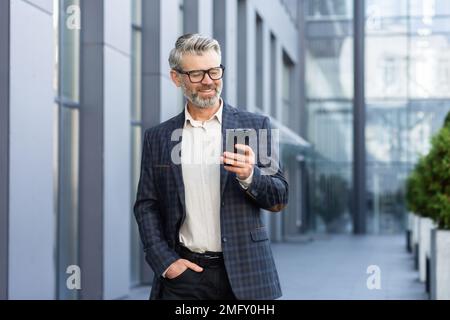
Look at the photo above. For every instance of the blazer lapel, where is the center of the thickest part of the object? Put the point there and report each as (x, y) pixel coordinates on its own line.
(229, 121)
(177, 124)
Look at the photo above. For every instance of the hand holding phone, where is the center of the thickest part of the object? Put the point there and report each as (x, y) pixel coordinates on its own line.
(239, 156)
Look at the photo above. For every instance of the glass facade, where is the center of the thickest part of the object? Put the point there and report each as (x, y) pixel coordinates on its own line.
(407, 90)
(67, 103)
(329, 103)
(273, 75)
(287, 94)
(259, 58)
(406, 94)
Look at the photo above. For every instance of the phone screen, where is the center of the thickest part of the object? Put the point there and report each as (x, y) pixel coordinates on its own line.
(237, 136)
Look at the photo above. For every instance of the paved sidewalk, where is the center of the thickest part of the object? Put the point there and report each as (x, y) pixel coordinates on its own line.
(334, 267)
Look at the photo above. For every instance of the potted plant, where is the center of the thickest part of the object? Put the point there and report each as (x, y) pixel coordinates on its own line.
(420, 222)
(436, 184)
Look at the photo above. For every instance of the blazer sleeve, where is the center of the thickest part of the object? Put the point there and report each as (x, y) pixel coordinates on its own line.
(158, 254)
(269, 189)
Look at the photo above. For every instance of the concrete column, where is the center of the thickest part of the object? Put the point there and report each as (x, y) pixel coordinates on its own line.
(92, 148)
(198, 16)
(359, 122)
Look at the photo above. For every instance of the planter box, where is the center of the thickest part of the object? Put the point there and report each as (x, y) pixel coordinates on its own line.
(425, 226)
(409, 228)
(440, 264)
(415, 239)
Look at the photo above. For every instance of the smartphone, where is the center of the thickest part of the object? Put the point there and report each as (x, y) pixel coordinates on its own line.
(237, 136)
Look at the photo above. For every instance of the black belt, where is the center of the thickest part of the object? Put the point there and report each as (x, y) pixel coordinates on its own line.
(207, 259)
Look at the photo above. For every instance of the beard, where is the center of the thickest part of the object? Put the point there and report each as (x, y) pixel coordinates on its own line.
(195, 99)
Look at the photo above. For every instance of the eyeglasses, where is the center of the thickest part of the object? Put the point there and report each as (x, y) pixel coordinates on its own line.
(197, 76)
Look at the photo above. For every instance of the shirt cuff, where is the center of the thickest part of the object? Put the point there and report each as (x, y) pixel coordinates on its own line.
(247, 182)
(164, 273)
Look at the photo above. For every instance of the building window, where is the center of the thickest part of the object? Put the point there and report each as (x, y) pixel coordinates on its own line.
(259, 70)
(327, 8)
(329, 98)
(273, 75)
(288, 111)
(67, 88)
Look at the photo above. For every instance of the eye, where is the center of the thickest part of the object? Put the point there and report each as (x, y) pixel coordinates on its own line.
(214, 72)
(196, 74)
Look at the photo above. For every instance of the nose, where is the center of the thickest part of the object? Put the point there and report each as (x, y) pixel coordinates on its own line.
(207, 79)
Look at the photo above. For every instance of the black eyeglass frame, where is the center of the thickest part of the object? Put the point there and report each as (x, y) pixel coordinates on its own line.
(188, 73)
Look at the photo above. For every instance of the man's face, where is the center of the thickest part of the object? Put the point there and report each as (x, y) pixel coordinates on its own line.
(205, 94)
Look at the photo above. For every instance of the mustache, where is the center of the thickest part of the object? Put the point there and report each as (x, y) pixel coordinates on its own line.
(207, 88)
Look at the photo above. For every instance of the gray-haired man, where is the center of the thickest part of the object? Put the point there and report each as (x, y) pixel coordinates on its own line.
(199, 219)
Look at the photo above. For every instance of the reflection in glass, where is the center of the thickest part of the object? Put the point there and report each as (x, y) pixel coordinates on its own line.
(407, 90)
(136, 133)
(259, 60)
(68, 97)
(136, 12)
(136, 247)
(273, 75)
(136, 76)
(429, 70)
(68, 198)
(386, 67)
(69, 54)
(287, 92)
(329, 58)
(330, 131)
(429, 8)
(329, 95)
(329, 8)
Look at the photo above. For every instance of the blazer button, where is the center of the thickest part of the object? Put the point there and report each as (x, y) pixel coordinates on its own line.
(224, 239)
(223, 204)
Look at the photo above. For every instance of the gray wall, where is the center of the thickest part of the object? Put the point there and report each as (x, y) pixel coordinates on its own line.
(32, 121)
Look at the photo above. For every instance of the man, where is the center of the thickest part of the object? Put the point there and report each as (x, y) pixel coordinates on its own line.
(199, 216)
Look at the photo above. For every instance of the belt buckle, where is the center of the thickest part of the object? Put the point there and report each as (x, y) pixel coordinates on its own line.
(210, 257)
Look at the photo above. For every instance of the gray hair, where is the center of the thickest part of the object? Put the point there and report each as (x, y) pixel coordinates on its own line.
(192, 44)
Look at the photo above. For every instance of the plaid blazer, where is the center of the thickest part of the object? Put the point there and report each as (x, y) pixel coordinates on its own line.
(160, 210)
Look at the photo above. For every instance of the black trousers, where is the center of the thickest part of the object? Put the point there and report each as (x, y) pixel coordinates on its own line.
(210, 284)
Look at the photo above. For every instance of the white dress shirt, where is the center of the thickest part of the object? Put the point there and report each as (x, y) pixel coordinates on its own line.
(201, 148)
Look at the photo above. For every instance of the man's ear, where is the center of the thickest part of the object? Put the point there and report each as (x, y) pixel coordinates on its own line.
(175, 78)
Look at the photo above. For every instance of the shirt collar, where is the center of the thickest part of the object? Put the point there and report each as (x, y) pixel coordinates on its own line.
(196, 123)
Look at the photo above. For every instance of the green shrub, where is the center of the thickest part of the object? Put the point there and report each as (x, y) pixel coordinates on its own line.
(438, 174)
(428, 186)
(416, 199)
